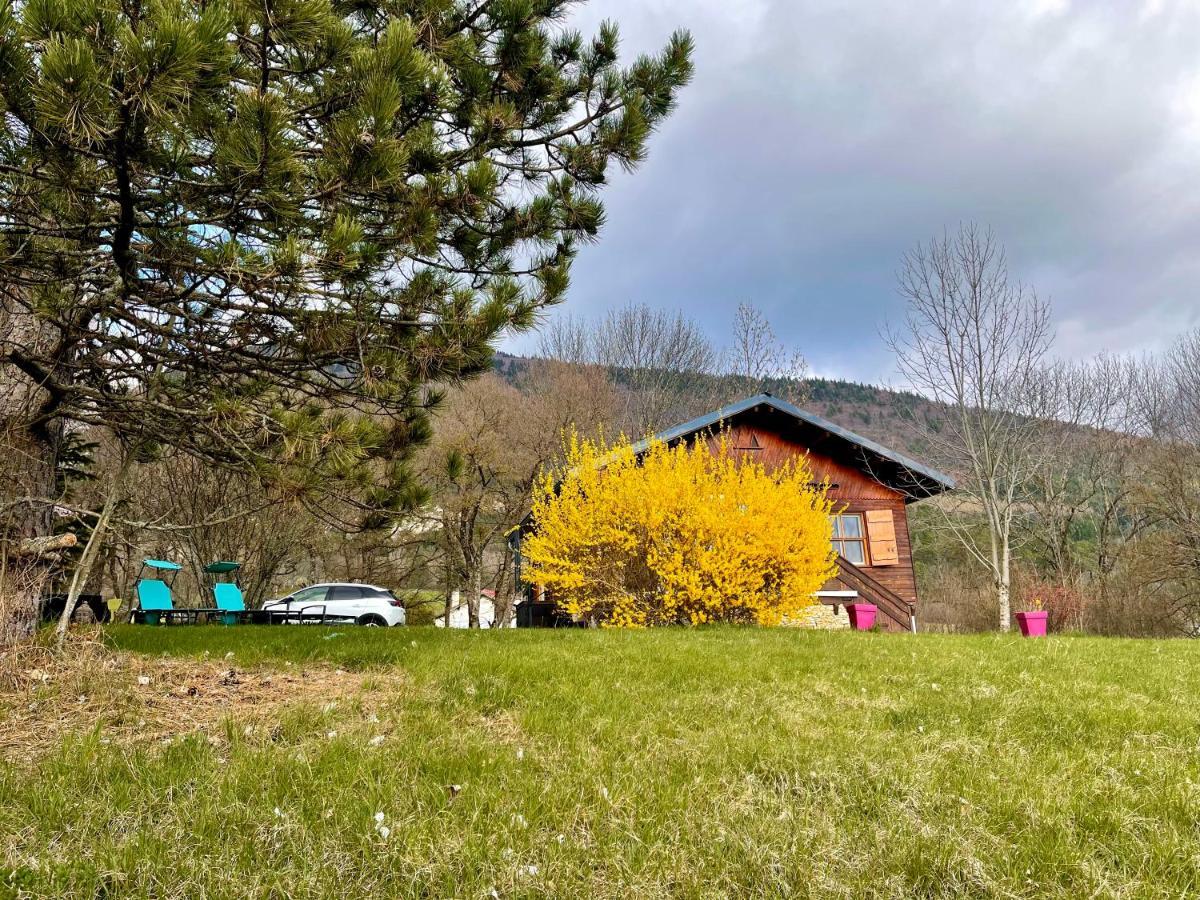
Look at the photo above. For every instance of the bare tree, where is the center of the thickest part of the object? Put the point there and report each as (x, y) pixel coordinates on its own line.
(664, 365)
(974, 340)
(493, 441)
(1090, 457)
(568, 340)
(1168, 403)
(759, 361)
(225, 516)
(477, 490)
(664, 360)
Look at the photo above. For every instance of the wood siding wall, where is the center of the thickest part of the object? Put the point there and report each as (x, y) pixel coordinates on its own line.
(853, 490)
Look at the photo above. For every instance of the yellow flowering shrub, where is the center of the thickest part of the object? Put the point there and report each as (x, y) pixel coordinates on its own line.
(685, 535)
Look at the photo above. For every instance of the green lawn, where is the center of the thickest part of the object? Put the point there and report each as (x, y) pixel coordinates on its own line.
(711, 763)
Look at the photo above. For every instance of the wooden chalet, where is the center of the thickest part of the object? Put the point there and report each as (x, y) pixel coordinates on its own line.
(871, 485)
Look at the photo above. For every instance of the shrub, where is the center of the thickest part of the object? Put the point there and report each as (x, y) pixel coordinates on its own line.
(678, 535)
(954, 598)
(1064, 603)
(422, 607)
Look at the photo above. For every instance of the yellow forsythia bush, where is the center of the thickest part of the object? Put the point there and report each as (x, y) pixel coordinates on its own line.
(683, 535)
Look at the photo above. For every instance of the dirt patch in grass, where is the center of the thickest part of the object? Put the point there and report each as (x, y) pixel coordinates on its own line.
(139, 699)
(502, 728)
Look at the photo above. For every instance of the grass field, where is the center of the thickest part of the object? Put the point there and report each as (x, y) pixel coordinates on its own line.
(714, 763)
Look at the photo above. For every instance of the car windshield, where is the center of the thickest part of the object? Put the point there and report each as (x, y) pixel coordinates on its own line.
(308, 595)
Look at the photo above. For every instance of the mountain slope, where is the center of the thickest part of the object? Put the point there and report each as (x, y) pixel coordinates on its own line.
(879, 413)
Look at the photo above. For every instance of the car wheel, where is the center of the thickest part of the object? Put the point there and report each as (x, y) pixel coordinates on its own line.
(373, 622)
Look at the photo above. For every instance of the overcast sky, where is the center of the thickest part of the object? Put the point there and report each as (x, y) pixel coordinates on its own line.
(820, 140)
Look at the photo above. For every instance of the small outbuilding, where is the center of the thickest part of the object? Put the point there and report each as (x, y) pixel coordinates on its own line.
(871, 485)
(460, 615)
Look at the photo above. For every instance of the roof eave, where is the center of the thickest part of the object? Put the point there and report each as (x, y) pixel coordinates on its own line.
(938, 481)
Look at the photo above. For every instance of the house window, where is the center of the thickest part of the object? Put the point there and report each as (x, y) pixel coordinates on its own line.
(849, 538)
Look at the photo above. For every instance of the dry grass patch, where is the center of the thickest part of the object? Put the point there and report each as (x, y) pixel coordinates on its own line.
(134, 699)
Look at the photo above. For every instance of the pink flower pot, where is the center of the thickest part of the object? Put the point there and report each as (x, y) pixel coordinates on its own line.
(862, 615)
(1033, 623)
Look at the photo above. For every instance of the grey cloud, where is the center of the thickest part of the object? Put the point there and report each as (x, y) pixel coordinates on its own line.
(821, 140)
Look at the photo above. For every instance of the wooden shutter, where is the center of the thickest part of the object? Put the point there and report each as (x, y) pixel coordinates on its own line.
(881, 532)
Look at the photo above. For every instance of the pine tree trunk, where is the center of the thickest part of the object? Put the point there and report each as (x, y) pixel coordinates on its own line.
(25, 569)
(21, 604)
(29, 478)
(29, 474)
(30, 439)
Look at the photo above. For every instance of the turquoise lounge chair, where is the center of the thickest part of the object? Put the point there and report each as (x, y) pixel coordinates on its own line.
(227, 594)
(154, 594)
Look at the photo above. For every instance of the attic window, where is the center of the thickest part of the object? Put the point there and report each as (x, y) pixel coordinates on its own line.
(752, 445)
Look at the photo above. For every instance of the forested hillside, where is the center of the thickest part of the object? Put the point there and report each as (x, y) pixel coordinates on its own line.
(880, 413)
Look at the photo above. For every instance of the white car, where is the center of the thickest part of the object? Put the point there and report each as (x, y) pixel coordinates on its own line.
(343, 602)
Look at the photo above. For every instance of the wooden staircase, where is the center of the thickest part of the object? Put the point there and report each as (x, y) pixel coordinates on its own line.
(896, 613)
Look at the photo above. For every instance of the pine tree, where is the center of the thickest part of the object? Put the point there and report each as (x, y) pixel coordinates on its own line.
(263, 231)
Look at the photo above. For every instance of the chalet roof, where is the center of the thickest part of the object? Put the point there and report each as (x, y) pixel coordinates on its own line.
(914, 479)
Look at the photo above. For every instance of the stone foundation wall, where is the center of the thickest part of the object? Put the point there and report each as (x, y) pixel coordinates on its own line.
(821, 616)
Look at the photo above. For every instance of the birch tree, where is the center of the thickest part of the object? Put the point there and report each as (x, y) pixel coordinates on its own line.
(974, 340)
